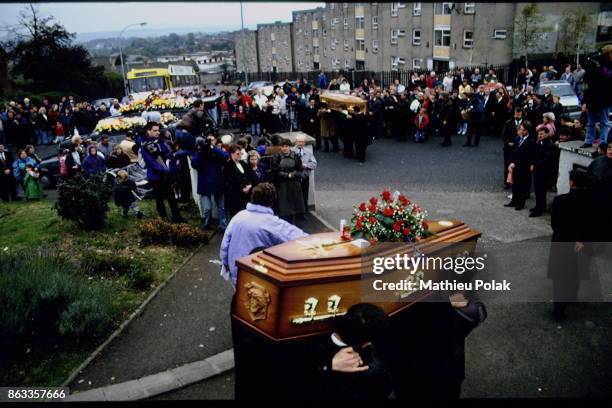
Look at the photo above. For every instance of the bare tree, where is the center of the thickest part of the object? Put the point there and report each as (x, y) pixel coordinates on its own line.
(528, 29)
(576, 26)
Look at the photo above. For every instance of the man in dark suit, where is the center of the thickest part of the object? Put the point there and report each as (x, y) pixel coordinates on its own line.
(521, 160)
(311, 122)
(7, 180)
(569, 261)
(363, 137)
(543, 168)
(508, 136)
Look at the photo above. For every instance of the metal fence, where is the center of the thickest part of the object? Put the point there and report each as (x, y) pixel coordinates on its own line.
(504, 73)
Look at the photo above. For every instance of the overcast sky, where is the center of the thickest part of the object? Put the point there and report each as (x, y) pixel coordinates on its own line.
(96, 17)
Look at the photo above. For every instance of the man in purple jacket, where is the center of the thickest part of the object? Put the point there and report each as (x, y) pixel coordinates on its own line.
(254, 227)
(156, 154)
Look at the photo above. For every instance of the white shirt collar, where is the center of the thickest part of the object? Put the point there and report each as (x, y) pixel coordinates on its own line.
(336, 340)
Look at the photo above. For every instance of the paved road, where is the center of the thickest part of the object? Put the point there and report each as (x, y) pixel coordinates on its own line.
(519, 351)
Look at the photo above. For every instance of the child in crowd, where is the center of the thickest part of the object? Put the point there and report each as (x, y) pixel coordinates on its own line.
(241, 118)
(125, 194)
(421, 121)
(32, 184)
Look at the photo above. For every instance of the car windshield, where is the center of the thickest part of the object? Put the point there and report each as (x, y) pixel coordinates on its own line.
(558, 89)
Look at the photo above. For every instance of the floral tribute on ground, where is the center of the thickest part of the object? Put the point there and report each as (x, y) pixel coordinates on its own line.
(390, 218)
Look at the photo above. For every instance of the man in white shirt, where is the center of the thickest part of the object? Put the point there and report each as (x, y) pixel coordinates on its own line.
(344, 86)
(260, 99)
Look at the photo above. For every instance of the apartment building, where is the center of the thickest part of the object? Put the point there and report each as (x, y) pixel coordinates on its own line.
(407, 36)
(247, 56)
(275, 47)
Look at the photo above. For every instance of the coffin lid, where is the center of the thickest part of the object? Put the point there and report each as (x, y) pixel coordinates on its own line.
(325, 256)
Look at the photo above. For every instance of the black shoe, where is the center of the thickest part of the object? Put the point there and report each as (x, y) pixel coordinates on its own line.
(519, 207)
(586, 145)
(510, 204)
(139, 215)
(507, 186)
(535, 214)
(467, 145)
(179, 220)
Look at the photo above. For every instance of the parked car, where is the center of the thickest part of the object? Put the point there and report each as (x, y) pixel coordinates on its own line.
(98, 102)
(567, 96)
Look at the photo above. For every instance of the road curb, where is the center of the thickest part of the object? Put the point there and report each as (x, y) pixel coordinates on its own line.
(133, 316)
(160, 383)
(323, 221)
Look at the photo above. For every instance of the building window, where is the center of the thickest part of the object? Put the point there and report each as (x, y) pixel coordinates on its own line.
(359, 22)
(469, 8)
(416, 36)
(315, 33)
(374, 45)
(332, 6)
(324, 33)
(297, 18)
(344, 5)
(394, 36)
(360, 44)
(332, 44)
(442, 9)
(396, 62)
(347, 64)
(416, 9)
(346, 45)
(500, 34)
(468, 39)
(374, 22)
(345, 22)
(332, 23)
(416, 63)
(272, 37)
(394, 9)
(442, 37)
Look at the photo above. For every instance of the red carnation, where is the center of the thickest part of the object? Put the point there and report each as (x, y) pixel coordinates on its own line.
(387, 212)
(373, 201)
(362, 207)
(386, 195)
(372, 220)
(372, 208)
(397, 227)
(373, 241)
(360, 219)
(358, 225)
(406, 231)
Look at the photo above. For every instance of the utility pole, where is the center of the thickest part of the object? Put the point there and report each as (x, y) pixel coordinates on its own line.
(246, 69)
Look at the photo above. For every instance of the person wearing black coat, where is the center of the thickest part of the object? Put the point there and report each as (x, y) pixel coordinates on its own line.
(403, 119)
(430, 340)
(569, 261)
(521, 160)
(446, 119)
(343, 125)
(361, 133)
(311, 122)
(237, 182)
(7, 179)
(353, 363)
(543, 170)
(508, 136)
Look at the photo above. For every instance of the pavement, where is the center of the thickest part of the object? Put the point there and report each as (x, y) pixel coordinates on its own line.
(518, 352)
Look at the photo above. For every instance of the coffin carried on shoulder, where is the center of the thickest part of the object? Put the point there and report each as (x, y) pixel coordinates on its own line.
(296, 289)
(336, 100)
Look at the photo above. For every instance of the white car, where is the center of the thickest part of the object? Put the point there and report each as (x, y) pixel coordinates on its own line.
(565, 92)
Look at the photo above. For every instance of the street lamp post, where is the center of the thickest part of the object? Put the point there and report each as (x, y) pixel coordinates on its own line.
(125, 91)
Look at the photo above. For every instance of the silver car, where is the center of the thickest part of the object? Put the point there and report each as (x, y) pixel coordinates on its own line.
(567, 96)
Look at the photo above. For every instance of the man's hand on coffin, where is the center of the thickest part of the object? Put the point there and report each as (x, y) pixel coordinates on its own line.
(348, 360)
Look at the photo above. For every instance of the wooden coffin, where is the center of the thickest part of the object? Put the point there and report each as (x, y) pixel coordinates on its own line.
(335, 100)
(296, 289)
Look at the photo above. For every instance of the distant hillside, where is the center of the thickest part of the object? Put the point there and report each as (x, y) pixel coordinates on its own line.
(171, 44)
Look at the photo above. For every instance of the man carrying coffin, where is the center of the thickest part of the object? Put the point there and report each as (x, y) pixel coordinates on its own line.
(254, 227)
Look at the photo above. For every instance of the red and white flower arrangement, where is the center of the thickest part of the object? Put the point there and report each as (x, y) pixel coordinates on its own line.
(392, 218)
